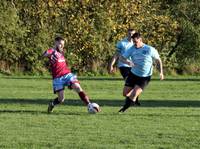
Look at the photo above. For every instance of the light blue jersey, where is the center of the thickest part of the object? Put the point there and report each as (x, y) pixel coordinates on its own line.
(143, 59)
(122, 46)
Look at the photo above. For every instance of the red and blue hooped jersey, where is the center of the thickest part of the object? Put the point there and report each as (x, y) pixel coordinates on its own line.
(59, 66)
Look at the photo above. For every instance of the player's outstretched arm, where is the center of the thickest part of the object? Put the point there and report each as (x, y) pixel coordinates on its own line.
(45, 54)
(160, 68)
(113, 61)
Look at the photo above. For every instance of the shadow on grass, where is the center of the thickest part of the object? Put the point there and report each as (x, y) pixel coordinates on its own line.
(108, 102)
(36, 112)
(22, 111)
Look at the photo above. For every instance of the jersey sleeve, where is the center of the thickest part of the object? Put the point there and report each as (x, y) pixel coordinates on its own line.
(127, 54)
(119, 47)
(154, 53)
(48, 52)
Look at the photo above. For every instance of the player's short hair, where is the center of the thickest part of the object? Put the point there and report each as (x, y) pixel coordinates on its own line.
(59, 38)
(136, 35)
(130, 30)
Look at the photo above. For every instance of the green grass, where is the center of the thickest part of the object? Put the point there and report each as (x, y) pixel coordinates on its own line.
(168, 118)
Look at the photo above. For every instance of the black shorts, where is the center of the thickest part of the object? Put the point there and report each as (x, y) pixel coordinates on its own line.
(125, 71)
(133, 80)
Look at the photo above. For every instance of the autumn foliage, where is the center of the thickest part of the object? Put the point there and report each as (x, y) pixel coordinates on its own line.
(92, 28)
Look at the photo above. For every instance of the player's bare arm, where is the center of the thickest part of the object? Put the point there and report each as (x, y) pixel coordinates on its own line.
(114, 59)
(45, 54)
(160, 68)
(125, 60)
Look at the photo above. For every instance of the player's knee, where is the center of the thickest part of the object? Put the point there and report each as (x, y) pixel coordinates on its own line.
(125, 93)
(76, 87)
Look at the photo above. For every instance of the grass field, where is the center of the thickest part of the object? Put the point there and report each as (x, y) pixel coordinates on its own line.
(169, 117)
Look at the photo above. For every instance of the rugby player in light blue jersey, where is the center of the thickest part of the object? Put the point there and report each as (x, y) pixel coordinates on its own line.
(122, 46)
(142, 58)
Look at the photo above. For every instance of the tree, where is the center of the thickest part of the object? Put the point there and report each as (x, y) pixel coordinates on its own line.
(11, 35)
(186, 49)
(92, 28)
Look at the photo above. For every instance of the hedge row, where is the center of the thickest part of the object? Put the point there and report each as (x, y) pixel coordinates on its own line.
(92, 28)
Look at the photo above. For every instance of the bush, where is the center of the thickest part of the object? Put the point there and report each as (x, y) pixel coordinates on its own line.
(91, 29)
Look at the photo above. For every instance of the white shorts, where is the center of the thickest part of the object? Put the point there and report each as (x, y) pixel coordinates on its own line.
(66, 80)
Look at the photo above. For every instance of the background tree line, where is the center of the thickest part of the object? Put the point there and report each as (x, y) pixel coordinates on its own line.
(92, 28)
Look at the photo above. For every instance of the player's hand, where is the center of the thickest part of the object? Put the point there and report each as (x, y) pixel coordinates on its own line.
(111, 69)
(161, 76)
(130, 63)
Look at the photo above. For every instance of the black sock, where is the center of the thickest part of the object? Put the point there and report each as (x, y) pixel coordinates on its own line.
(128, 102)
(56, 101)
(137, 101)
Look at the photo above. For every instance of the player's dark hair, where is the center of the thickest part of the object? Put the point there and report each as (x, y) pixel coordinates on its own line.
(136, 35)
(130, 30)
(59, 38)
